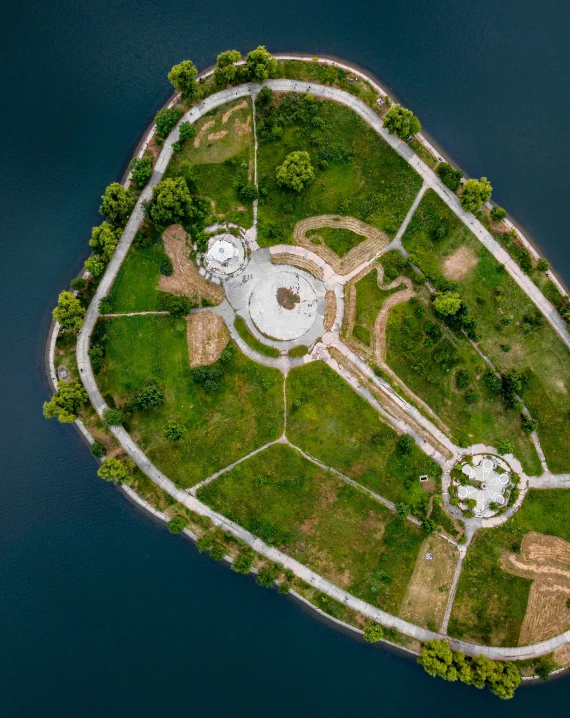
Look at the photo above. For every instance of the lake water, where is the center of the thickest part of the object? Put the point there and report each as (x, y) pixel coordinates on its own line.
(101, 610)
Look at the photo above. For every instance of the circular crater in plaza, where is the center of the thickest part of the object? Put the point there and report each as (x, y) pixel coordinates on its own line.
(283, 305)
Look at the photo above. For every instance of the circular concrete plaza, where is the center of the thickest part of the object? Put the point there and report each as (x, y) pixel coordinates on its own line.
(225, 255)
(491, 478)
(283, 305)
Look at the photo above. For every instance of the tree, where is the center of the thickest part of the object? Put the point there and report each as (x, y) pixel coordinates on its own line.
(69, 312)
(97, 450)
(260, 65)
(104, 240)
(183, 78)
(243, 562)
(174, 432)
(436, 658)
(544, 668)
(543, 265)
(447, 303)
(498, 214)
(115, 470)
(296, 171)
(373, 633)
(95, 266)
(186, 131)
(67, 401)
(165, 120)
(141, 171)
(177, 524)
(402, 510)
(178, 306)
(401, 122)
(449, 175)
(117, 204)
(171, 201)
(78, 284)
(226, 70)
(217, 552)
(268, 575)
(150, 396)
(405, 444)
(475, 193)
(429, 526)
(112, 417)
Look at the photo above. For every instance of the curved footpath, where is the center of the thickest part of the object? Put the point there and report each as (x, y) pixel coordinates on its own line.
(88, 378)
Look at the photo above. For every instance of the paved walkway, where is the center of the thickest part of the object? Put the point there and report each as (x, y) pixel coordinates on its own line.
(191, 502)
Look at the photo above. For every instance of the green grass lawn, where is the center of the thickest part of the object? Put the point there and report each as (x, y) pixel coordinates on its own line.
(325, 524)
(430, 367)
(491, 603)
(243, 414)
(243, 330)
(377, 185)
(136, 286)
(370, 298)
(501, 308)
(341, 241)
(337, 426)
(214, 167)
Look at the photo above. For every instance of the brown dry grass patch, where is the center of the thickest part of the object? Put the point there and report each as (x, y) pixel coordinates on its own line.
(242, 128)
(424, 602)
(459, 264)
(226, 116)
(300, 262)
(207, 337)
(546, 560)
(185, 279)
(217, 135)
(562, 655)
(330, 309)
(205, 127)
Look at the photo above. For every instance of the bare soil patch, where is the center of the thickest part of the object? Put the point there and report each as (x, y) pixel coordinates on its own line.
(546, 560)
(185, 279)
(427, 594)
(286, 298)
(205, 127)
(226, 116)
(459, 264)
(217, 135)
(207, 337)
(365, 251)
(242, 128)
(330, 309)
(562, 655)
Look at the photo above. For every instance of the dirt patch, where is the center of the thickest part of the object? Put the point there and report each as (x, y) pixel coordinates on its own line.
(427, 593)
(365, 251)
(217, 135)
(242, 128)
(205, 127)
(330, 309)
(185, 279)
(308, 527)
(153, 148)
(226, 116)
(459, 264)
(560, 385)
(562, 655)
(207, 338)
(545, 560)
(286, 298)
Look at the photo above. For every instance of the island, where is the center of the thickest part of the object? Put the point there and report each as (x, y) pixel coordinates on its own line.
(311, 345)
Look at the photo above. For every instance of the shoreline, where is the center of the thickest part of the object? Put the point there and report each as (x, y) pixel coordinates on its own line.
(52, 335)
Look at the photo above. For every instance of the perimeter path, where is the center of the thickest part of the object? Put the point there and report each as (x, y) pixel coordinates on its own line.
(433, 181)
(141, 460)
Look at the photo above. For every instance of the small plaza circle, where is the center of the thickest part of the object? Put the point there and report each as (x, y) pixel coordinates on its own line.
(483, 485)
(225, 255)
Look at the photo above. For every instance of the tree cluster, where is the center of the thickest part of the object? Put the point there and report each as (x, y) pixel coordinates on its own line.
(174, 432)
(171, 202)
(296, 171)
(259, 66)
(69, 312)
(475, 194)
(501, 677)
(141, 171)
(150, 396)
(449, 175)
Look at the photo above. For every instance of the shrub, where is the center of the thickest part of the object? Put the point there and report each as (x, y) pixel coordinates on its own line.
(373, 633)
(217, 552)
(498, 214)
(177, 306)
(405, 444)
(429, 526)
(204, 543)
(177, 147)
(283, 587)
(449, 175)
(186, 131)
(97, 450)
(243, 562)
(166, 267)
(112, 417)
(505, 447)
(78, 284)
(267, 576)
(462, 378)
(528, 424)
(177, 524)
(543, 265)
(174, 432)
(95, 266)
(150, 396)
(544, 668)
(471, 396)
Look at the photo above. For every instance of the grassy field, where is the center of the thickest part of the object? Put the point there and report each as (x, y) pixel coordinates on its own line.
(430, 366)
(136, 286)
(341, 241)
(370, 298)
(219, 162)
(224, 425)
(491, 603)
(505, 317)
(335, 425)
(315, 517)
(364, 177)
(243, 330)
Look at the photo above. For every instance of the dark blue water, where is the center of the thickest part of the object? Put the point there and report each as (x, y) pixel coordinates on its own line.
(101, 610)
